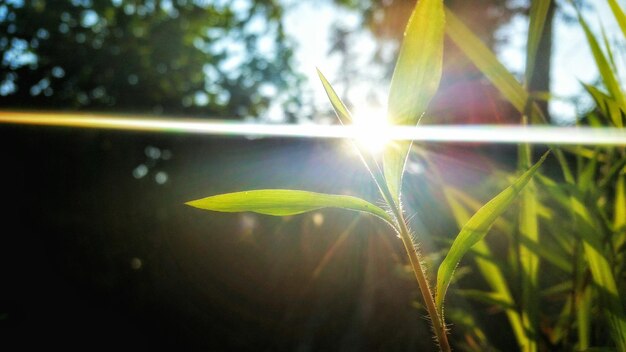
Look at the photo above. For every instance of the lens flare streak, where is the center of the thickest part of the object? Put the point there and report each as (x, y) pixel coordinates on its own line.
(504, 134)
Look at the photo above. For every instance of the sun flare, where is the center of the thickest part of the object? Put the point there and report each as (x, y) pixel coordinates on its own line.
(371, 128)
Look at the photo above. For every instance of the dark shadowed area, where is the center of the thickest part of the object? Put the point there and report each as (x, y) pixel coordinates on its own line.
(96, 254)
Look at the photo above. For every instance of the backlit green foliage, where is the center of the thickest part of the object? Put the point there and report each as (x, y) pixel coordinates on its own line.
(573, 224)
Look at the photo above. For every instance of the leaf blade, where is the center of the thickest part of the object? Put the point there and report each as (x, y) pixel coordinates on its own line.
(619, 16)
(340, 108)
(418, 69)
(538, 13)
(282, 202)
(486, 61)
(476, 228)
(415, 81)
(608, 76)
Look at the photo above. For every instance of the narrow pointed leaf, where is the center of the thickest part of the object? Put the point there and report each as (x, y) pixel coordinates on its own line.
(282, 202)
(415, 81)
(491, 298)
(491, 272)
(486, 61)
(476, 229)
(528, 257)
(394, 161)
(418, 69)
(340, 108)
(619, 221)
(619, 15)
(601, 270)
(538, 13)
(344, 116)
(608, 76)
(609, 51)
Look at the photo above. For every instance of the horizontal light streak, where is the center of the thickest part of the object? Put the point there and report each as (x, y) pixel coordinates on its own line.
(427, 133)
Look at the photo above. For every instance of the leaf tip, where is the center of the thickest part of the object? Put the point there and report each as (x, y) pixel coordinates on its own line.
(192, 203)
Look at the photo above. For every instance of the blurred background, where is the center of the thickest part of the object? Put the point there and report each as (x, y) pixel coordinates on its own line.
(97, 246)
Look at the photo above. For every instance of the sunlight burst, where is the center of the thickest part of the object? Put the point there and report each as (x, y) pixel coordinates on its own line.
(371, 128)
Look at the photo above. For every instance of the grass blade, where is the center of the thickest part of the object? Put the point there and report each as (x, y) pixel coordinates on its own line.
(282, 202)
(476, 228)
(340, 108)
(608, 76)
(607, 105)
(490, 298)
(498, 75)
(486, 61)
(619, 220)
(344, 116)
(418, 69)
(528, 240)
(601, 271)
(538, 13)
(415, 81)
(619, 16)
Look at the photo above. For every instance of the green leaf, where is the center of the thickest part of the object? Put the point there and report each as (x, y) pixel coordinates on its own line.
(418, 69)
(608, 76)
(476, 228)
(394, 161)
(491, 272)
(600, 267)
(619, 16)
(340, 108)
(619, 221)
(491, 298)
(609, 51)
(538, 13)
(283, 202)
(607, 105)
(486, 61)
(414, 83)
(344, 116)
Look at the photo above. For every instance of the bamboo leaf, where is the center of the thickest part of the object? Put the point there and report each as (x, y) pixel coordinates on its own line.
(344, 116)
(607, 105)
(491, 272)
(498, 75)
(619, 220)
(486, 61)
(282, 202)
(491, 298)
(394, 161)
(609, 51)
(528, 257)
(601, 270)
(418, 69)
(602, 63)
(476, 228)
(587, 175)
(415, 81)
(340, 108)
(538, 13)
(619, 16)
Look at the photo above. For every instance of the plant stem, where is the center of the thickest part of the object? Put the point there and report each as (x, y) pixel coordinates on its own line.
(422, 281)
(416, 263)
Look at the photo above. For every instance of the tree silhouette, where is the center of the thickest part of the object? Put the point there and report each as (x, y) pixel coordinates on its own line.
(189, 57)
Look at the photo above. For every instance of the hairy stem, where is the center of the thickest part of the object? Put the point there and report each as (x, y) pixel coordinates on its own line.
(422, 281)
(438, 323)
